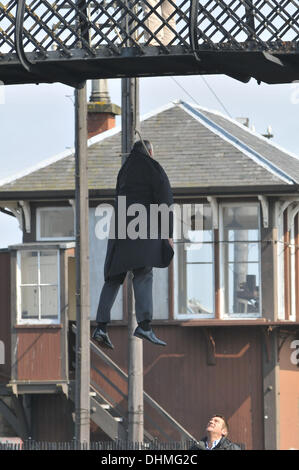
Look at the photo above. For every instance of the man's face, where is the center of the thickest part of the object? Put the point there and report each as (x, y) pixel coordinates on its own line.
(216, 426)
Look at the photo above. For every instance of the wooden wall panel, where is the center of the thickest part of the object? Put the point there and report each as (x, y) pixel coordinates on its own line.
(39, 354)
(289, 396)
(179, 378)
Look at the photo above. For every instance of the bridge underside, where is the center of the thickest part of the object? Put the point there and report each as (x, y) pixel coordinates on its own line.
(72, 41)
(263, 66)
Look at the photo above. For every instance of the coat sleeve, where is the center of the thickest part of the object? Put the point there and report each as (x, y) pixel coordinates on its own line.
(162, 193)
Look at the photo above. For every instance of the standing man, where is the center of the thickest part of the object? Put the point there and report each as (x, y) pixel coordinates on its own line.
(141, 180)
(216, 436)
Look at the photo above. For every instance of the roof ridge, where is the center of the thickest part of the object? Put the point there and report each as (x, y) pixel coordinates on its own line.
(236, 142)
(248, 130)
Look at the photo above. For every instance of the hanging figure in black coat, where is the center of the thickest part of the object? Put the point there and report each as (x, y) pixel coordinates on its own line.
(139, 243)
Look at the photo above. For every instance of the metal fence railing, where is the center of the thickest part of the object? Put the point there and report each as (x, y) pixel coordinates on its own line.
(66, 25)
(103, 445)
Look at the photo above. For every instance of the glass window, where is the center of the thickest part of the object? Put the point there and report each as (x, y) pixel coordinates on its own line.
(38, 286)
(194, 250)
(240, 248)
(55, 223)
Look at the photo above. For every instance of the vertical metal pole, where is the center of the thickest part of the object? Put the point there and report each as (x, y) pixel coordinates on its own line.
(82, 397)
(130, 122)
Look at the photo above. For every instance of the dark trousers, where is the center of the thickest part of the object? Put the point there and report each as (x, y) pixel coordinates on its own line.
(143, 289)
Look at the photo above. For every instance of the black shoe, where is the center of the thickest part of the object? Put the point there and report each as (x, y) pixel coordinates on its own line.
(103, 338)
(149, 335)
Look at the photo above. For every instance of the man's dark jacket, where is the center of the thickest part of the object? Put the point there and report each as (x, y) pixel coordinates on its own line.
(223, 444)
(142, 180)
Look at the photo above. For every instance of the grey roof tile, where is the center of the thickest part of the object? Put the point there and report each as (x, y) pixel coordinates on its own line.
(191, 154)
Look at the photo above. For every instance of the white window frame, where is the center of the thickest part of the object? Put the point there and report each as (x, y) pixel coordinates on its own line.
(223, 314)
(38, 220)
(191, 316)
(291, 220)
(280, 261)
(293, 273)
(40, 320)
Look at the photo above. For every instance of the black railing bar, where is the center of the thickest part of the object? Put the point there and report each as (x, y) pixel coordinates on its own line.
(9, 39)
(238, 20)
(222, 30)
(19, 34)
(227, 18)
(145, 28)
(240, 30)
(285, 31)
(38, 45)
(44, 27)
(163, 23)
(244, 21)
(249, 15)
(263, 20)
(104, 37)
(275, 14)
(69, 27)
(115, 24)
(58, 40)
(212, 33)
(181, 17)
(204, 37)
(138, 24)
(88, 4)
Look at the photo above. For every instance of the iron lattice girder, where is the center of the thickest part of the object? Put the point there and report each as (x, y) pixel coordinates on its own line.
(71, 41)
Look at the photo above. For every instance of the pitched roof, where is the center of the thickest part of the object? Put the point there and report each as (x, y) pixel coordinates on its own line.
(196, 147)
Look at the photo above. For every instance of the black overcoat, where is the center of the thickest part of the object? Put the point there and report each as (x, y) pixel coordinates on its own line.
(142, 180)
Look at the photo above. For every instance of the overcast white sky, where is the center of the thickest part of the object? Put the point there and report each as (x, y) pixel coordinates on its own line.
(37, 121)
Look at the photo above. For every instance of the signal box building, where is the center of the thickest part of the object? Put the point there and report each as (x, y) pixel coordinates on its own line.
(227, 306)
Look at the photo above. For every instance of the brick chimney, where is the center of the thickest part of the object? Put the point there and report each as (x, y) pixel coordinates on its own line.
(100, 111)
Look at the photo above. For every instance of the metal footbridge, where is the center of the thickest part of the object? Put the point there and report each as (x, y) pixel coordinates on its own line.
(72, 41)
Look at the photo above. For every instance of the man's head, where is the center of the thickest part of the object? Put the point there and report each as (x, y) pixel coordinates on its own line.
(217, 427)
(143, 146)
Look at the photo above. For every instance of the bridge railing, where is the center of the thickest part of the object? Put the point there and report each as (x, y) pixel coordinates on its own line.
(65, 25)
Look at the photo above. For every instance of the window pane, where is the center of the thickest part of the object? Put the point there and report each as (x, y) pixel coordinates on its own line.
(29, 302)
(241, 217)
(199, 288)
(29, 270)
(195, 220)
(196, 289)
(48, 267)
(243, 252)
(57, 223)
(49, 301)
(199, 252)
(243, 288)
